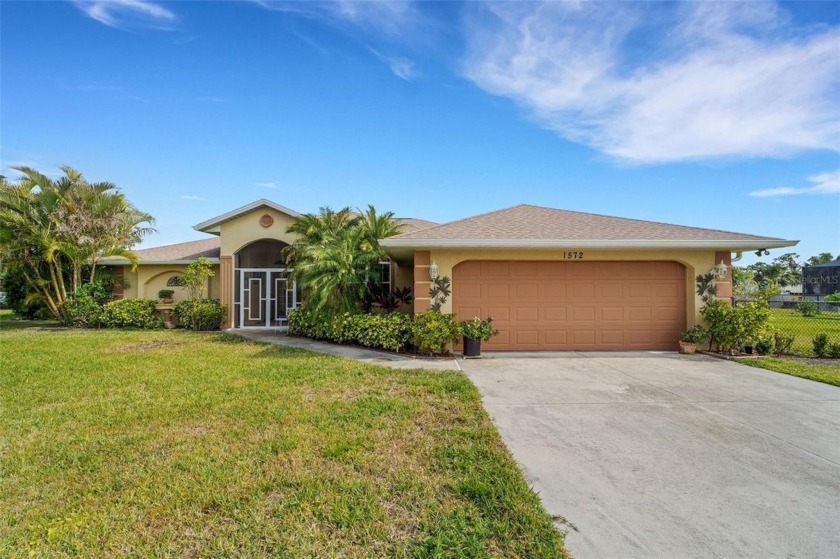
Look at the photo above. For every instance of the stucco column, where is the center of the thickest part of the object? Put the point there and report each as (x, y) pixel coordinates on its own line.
(422, 281)
(226, 284)
(724, 286)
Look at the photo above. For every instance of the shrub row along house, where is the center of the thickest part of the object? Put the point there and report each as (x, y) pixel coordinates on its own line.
(551, 279)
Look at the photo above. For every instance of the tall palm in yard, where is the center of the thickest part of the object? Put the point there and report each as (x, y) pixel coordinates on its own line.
(56, 230)
(337, 255)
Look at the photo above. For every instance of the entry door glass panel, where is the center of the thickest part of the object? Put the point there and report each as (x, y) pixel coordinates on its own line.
(254, 295)
(278, 305)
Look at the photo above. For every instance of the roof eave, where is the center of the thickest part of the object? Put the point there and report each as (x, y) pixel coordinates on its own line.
(726, 244)
(120, 261)
(212, 225)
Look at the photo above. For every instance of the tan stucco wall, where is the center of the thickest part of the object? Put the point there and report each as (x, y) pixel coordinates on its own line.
(695, 262)
(403, 276)
(146, 281)
(246, 229)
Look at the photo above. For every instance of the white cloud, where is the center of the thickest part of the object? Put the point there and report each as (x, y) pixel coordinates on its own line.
(651, 83)
(824, 183)
(267, 184)
(191, 197)
(388, 16)
(123, 13)
(403, 68)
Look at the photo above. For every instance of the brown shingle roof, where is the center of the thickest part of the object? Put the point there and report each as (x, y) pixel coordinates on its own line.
(209, 248)
(413, 224)
(526, 222)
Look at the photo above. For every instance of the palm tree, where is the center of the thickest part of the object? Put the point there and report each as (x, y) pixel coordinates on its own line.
(337, 256)
(49, 226)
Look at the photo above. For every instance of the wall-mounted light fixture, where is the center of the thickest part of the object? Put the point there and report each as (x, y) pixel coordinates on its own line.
(720, 270)
(433, 271)
(762, 251)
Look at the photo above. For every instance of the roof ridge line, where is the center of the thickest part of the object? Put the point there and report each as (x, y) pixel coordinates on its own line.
(445, 223)
(647, 221)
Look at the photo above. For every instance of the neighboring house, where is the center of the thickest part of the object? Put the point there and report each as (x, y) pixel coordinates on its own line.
(551, 279)
(822, 279)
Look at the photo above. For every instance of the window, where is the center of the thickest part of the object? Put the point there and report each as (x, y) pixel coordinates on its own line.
(174, 281)
(385, 271)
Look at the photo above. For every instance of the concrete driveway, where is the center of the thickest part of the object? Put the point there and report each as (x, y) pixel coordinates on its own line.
(664, 455)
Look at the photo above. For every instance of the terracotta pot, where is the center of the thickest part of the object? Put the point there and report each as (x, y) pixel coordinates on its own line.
(167, 300)
(687, 348)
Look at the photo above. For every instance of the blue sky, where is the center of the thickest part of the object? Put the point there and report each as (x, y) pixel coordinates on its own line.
(719, 114)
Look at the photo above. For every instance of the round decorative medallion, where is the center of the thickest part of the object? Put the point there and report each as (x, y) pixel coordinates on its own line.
(266, 220)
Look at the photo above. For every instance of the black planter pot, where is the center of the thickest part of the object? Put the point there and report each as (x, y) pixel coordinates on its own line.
(472, 347)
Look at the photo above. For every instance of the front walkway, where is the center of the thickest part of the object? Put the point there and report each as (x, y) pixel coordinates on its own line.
(384, 358)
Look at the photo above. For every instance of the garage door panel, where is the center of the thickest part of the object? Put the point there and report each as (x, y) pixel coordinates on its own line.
(497, 269)
(574, 305)
(528, 291)
(579, 291)
(466, 289)
(468, 312)
(555, 337)
(524, 269)
(496, 291)
(612, 337)
(526, 314)
(527, 337)
(497, 313)
(555, 314)
(612, 314)
(583, 337)
(553, 291)
(552, 269)
(611, 291)
(468, 270)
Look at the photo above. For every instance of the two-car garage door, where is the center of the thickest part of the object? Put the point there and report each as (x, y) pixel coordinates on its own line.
(574, 305)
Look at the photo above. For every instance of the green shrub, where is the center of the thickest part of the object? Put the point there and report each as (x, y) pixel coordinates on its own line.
(834, 350)
(389, 331)
(782, 343)
(477, 329)
(820, 345)
(697, 334)
(733, 327)
(131, 313)
(808, 308)
(86, 306)
(432, 331)
(199, 314)
(379, 331)
(764, 345)
(832, 297)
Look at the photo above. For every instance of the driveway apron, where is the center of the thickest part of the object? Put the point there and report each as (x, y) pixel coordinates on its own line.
(665, 455)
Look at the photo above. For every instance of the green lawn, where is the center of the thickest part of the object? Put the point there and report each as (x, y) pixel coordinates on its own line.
(171, 443)
(792, 323)
(10, 321)
(822, 370)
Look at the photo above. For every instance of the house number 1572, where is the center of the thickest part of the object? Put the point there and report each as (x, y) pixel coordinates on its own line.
(573, 255)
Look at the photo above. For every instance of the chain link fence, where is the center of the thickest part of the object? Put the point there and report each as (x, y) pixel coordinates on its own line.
(803, 318)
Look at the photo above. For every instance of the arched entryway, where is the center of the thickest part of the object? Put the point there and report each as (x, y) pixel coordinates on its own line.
(263, 294)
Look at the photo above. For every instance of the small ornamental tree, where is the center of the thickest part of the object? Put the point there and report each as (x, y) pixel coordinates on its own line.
(195, 280)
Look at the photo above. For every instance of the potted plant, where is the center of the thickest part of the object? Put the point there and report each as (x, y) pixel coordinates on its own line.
(691, 338)
(166, 296)
(473, 331)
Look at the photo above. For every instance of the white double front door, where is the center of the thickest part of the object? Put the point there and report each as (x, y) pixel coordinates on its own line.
(265, 297)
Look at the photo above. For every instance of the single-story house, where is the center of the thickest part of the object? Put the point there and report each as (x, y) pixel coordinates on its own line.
(551, 279)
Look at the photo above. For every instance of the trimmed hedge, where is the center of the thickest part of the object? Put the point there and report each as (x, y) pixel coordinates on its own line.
(131, 313)
(200, 314)
(429, 332)
(389, 331)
